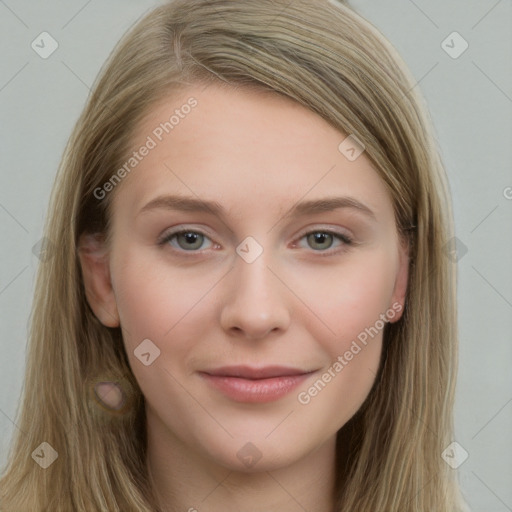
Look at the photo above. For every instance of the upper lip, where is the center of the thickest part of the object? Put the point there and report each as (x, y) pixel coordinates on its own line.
(247, 372)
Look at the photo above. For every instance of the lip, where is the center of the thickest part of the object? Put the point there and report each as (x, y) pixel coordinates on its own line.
(255, 385)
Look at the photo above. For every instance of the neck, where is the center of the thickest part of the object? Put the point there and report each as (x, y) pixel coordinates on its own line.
(185, 481)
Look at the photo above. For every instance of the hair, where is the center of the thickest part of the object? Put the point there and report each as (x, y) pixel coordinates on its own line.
(326, 57)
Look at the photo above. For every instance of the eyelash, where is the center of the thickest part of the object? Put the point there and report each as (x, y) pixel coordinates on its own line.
(347, 241)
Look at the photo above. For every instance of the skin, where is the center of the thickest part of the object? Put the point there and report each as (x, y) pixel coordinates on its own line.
(257, 154)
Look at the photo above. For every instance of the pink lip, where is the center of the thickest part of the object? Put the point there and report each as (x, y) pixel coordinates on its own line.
(255, 385)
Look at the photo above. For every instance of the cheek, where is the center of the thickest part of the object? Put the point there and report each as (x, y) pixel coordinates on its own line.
(164, 306)
(349, 299)
(352, 303)
(363, 300)
(154, 298)
(167, 307)
(341, 388)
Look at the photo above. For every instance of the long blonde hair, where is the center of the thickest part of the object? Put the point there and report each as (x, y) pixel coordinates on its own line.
(327, 58)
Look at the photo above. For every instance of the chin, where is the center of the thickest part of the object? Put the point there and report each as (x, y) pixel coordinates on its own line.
(260, 455)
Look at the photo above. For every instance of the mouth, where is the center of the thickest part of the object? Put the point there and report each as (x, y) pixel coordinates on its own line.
(255, 385)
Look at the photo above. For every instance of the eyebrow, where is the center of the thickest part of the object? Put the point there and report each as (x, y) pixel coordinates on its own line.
(311, 207)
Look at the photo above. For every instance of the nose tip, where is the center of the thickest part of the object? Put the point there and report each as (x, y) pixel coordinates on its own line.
(256, 304)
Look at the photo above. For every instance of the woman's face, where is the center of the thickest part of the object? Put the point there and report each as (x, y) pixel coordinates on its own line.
(256, 333)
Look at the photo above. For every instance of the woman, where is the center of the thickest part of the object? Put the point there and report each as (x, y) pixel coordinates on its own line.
(247, 304)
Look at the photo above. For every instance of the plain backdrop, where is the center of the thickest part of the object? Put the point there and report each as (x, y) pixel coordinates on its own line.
(469, 95)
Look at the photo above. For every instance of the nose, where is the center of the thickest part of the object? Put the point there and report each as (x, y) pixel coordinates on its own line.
(256, 302)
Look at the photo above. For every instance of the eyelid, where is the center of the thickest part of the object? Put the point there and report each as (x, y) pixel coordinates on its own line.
(168, 234)
(344, 235)
(181, 228)
(346, 239)
(319, 228)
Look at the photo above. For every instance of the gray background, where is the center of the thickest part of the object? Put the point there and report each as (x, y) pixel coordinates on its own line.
(470, 99)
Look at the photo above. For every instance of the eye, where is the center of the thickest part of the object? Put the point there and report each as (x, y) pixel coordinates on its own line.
(186, 240)
(323, 240)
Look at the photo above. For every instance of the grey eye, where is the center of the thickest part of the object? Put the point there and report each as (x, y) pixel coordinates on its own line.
(320, 240)
(189, 240)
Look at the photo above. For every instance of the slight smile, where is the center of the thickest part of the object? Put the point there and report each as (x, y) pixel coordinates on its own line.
(255, 385)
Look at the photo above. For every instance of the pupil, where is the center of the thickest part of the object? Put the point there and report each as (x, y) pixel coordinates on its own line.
(191, 240)
(321, 238)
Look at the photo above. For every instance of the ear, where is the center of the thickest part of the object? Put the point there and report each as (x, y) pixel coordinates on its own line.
(94, 260)
(402, 277)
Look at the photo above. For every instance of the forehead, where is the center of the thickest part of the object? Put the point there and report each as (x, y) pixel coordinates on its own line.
(240, 146)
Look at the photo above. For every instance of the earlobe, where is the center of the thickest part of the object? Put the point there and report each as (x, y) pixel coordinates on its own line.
(402, 277)
(94, 262)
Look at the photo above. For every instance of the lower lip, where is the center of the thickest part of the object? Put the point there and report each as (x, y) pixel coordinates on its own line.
(255, 391)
